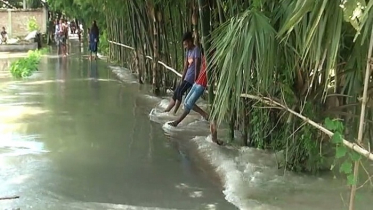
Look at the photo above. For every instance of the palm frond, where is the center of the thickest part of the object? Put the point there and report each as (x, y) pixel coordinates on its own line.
(244, 59)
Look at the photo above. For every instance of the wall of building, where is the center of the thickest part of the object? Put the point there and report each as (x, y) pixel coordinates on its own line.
(16, 21)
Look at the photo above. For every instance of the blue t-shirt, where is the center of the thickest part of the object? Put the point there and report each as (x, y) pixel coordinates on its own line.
(191, 56)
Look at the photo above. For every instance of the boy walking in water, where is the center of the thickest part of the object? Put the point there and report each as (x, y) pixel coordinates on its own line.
(191, 70)
(194, 94)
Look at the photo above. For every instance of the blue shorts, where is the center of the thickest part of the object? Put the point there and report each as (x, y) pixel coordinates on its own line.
(194, 94)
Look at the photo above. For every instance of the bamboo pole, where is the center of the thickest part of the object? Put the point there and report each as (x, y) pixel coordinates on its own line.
(270, 101)
(362, 121)
(348, 144)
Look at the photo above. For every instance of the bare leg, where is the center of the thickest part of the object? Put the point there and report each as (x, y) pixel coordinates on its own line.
(214, 133)
(186, 112)
(64, 49)
(67, 48)
(181, 118)
(177, 106)
(201, 112)
(170, 106)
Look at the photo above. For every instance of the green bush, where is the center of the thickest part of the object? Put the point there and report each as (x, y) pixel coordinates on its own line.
(24, 67)
(103, 44)
(32, 25)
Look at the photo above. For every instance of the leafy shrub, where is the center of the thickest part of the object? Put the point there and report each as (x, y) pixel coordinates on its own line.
(24, 67)
(103, 44)
(32, 25)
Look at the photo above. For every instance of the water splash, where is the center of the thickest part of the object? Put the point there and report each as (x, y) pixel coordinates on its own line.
(124, 74)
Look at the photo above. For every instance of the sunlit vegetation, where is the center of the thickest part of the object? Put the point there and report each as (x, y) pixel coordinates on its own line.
(24, 67)
(32, 25)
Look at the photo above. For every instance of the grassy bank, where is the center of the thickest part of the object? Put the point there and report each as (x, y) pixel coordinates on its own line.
(25, 67)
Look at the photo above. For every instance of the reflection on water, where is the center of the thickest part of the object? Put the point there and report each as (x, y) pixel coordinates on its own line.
(4, 68)
(15, 145)
(93, 79)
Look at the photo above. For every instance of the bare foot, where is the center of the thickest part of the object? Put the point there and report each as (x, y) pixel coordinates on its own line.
(218, 142)
(214, 134)
(173, 124)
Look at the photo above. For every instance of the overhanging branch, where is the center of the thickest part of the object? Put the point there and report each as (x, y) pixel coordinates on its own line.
(8, 4)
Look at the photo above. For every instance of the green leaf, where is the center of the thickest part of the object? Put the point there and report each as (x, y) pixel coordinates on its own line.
(346, 167)
(355, 156)
(329, 124)
(337, 138)
(340, 151)
(339, 126)
(351, 179)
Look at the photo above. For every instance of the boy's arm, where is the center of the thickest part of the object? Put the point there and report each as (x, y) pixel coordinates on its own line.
(197, 61)
(185, 69)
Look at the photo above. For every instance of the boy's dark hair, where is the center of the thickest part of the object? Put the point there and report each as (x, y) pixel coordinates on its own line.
(188, 36)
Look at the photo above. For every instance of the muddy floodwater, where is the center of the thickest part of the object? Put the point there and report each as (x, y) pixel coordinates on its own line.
(73, 137)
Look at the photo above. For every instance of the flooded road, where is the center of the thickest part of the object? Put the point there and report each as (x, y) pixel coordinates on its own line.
(73, 137)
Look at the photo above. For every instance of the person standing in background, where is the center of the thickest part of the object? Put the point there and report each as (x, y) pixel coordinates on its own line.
(66, 35)
(4, 36)
(57, 35)
(94, 38)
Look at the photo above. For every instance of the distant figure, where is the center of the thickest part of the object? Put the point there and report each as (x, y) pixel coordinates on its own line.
(66, 35)
(51, 25)
(79, 32)
(62, 38)
(4, 36)
(58, 35)
(94, 36)
(72, 27)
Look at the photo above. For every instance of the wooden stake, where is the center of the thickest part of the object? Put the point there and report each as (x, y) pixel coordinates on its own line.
(362, 121)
